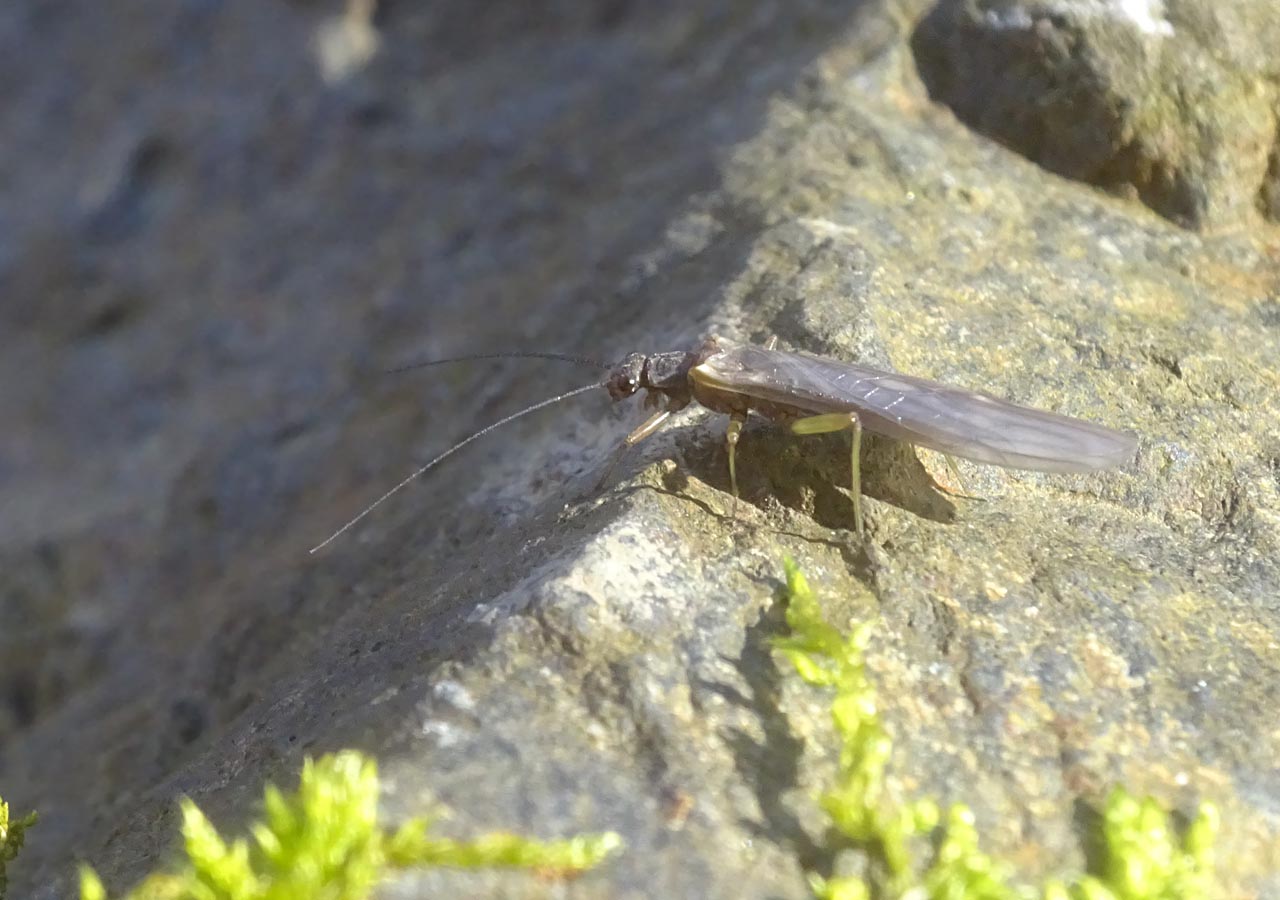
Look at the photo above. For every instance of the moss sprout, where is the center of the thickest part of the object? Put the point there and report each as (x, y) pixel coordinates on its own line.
(1142, 858)
(12, 833)
(324, 843)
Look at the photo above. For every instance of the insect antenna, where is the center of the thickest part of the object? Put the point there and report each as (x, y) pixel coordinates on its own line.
(462, 443)
(563, 357)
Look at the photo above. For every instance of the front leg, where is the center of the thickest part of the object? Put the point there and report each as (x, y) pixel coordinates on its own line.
(825, 424)
(642, 431)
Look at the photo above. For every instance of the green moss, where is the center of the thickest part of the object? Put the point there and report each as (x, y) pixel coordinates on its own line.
(1142, 857)
(324, 843)
(12, 833)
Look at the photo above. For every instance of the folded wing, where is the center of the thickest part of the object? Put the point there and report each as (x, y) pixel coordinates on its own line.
(969, 424)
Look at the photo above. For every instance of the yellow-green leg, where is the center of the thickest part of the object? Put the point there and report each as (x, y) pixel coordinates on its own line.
(731, 438)
(830, 422)
(955, 473)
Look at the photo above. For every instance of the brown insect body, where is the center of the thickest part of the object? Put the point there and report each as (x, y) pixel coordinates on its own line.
(815, 395)
(786, 386)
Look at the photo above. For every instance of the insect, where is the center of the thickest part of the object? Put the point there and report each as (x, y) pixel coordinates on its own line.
(815, 395)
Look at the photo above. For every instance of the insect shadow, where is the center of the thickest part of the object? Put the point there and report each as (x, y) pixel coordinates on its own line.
(806, 474)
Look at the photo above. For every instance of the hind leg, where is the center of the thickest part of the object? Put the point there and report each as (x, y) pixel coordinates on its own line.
(828, 423)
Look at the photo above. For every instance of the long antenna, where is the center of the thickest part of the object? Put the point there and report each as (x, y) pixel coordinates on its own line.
(456, 447)
(563, 357)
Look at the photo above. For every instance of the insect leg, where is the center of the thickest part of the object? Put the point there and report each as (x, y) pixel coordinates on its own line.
(646, 428)
(955, 474)
(959, 490)
(736, 421)
(772, 343)
(839, 422)
(954, 470)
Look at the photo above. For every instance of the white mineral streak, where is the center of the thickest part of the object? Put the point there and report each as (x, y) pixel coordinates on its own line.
(1145, 15)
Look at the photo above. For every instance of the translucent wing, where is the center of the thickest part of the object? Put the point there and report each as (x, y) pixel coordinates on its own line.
(968, 424)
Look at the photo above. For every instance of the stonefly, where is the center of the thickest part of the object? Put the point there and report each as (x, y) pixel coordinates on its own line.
(815, 395)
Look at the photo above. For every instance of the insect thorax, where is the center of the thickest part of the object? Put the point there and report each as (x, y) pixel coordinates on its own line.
(669, 372)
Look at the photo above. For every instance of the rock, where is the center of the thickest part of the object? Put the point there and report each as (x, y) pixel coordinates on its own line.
(1172, 102)
(238, 250)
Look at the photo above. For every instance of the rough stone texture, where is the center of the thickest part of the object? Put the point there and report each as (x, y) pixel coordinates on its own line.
(1176, 102)
(220, 222)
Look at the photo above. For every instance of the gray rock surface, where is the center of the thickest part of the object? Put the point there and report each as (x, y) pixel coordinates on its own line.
(221, 222)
